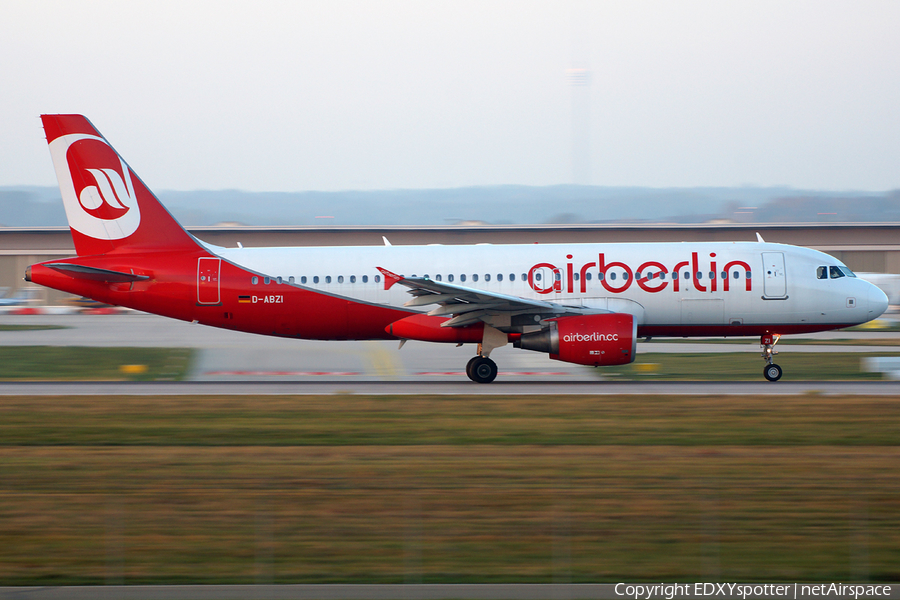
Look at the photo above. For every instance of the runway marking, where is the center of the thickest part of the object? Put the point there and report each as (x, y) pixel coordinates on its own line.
(382, 362)
(525, 373)
(282, 373)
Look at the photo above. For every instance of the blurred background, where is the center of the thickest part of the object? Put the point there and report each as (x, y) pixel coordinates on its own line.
(320, 123)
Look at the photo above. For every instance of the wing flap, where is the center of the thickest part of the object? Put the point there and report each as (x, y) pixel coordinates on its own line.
(469, 305)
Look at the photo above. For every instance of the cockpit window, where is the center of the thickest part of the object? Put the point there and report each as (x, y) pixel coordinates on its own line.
(834, 272)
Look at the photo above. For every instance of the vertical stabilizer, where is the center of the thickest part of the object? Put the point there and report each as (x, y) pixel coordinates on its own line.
(108, 207)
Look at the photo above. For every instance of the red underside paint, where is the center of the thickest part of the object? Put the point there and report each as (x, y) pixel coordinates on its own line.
(428, 329)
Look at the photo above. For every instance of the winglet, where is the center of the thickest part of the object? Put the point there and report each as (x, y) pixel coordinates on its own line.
(389, 278)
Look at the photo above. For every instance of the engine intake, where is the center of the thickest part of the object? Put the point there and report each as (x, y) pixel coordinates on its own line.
(594, 340)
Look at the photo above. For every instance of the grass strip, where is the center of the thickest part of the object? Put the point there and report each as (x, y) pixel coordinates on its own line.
(19, 327)
(448, 421)
(448, 489)
(70, 363)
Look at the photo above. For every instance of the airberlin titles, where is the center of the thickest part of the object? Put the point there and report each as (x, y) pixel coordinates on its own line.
(652, 276)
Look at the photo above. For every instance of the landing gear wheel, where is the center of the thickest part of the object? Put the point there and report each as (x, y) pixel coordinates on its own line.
(469, 367)
(772, 372)
(481, 370)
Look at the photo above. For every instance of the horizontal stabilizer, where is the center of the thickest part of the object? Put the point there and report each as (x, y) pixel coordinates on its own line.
(95, 274)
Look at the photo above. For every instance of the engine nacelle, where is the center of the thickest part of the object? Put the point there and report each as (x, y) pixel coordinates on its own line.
(594, 340)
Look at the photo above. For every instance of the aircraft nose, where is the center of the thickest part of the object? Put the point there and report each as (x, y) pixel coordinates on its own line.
(878, 302)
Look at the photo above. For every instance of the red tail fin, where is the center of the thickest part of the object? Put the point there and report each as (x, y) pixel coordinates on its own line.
(108, 207)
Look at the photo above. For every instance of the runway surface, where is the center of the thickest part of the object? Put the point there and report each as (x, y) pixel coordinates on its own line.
(461, 387)
(229, 362)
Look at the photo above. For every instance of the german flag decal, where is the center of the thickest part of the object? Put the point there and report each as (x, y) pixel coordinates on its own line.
(243, 299)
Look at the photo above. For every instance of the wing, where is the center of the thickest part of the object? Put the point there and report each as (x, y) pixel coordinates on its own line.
(468, 305)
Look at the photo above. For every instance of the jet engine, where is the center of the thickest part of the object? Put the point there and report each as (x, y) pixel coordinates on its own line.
(594, 340)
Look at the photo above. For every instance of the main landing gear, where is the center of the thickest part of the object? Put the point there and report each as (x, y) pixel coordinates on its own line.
(772, 372)
(481, 369)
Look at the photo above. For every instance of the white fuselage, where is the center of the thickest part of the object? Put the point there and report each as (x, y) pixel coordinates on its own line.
(718, 284)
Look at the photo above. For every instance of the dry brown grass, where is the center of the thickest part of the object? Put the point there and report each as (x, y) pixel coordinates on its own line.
(447, 489)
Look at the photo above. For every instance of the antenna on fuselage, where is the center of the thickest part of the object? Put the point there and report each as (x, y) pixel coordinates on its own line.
(759, 238)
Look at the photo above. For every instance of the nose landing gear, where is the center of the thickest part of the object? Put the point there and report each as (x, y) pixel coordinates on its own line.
(772, 372)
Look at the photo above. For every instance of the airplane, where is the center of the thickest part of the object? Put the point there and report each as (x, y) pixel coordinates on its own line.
(585, 304)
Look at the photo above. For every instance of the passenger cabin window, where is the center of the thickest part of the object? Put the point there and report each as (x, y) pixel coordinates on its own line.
(254, 280)
(365, 279)
(303, 280)
(316, 279)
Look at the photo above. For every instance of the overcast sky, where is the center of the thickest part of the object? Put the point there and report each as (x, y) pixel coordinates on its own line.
(290, 96)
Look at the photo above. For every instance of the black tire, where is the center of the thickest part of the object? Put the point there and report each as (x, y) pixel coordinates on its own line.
(483, 370)
(772, 372)
(469, 367)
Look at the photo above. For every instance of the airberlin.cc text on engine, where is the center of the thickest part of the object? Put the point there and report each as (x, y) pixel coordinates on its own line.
(651, 275)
